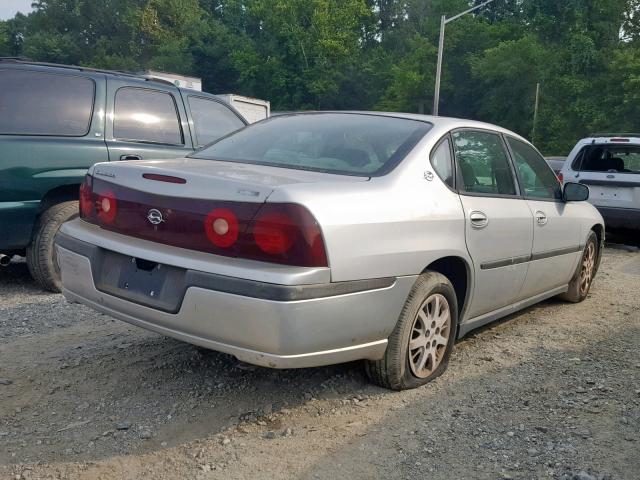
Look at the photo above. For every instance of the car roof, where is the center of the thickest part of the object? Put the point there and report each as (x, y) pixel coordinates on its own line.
(615, 139)
(60, 68)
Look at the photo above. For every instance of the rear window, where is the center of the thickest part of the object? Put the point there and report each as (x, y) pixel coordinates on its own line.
(608, 158)
(212, 120)
(349, 144)
(35, 103)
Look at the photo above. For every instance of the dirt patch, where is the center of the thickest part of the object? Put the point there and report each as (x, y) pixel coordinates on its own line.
(551, 392)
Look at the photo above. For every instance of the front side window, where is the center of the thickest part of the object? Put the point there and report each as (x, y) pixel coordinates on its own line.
(341, 143)
(442, 163)
(609, 158)
(143, 115)
(212, 120)
(537, 178)
(483, 163)
(36, 103)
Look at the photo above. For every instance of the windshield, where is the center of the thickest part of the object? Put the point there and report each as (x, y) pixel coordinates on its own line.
(341, 143)
(609, 158)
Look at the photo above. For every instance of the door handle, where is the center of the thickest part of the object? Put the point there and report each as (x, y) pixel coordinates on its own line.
(541, 218)
(478, 219)
(130, 157)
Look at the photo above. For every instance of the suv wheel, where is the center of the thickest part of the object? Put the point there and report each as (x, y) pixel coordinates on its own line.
(41, 255)
(420, 345)
(581, 281)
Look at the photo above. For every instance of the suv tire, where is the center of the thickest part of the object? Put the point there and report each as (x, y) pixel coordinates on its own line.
(426, 328)
(41, 255)
(587, 268)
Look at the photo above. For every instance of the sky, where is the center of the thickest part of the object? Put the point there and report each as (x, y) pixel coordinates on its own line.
(8, 8)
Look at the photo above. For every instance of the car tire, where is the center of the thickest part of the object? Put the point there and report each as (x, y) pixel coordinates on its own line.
(424, 335)
(41, 255)
(585, 273)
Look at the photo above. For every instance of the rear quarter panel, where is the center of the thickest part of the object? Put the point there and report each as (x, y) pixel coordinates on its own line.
(394, 225)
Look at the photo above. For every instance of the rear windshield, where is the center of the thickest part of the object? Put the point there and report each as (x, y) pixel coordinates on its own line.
(348, 144)
(608, 158)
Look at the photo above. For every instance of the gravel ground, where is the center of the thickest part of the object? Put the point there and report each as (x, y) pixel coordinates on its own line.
(551, 392)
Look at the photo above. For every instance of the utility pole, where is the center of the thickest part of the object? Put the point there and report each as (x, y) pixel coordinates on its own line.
(535, 113)
(443, 22)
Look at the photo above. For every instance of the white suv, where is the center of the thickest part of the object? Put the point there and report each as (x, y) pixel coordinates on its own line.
(610, 165)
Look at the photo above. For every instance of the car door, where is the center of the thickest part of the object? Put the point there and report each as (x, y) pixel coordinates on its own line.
(556, 224)
(146, 120)
(499, 225)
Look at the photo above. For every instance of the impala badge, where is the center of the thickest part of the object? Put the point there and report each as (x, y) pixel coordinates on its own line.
(155, 216)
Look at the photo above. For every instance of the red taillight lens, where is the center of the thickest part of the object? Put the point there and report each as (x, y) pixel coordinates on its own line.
(560, 177)
(221, 227)
(282, 233)
(107, 206)
(86, 200)
(287, 233)
(273, 233)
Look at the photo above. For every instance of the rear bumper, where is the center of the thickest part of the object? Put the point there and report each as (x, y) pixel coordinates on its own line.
(278, 326)
(627, 218)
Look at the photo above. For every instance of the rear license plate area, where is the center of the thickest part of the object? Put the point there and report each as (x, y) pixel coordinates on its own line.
(139, 280)
(612, 193)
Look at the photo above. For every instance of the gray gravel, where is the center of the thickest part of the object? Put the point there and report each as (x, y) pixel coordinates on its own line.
(552, 392)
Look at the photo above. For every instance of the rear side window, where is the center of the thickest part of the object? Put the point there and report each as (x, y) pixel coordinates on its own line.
(143, 115)
(442, 162)
(212, 120)
(483, 163)
(35, 103)
(608, 158)
(536, 177)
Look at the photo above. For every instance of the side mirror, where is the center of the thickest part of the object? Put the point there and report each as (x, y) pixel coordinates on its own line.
(575, 192)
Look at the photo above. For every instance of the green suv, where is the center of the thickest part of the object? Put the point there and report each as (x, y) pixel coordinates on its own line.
(57, 120)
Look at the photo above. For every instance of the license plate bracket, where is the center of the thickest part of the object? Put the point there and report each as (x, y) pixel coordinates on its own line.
(139, 280)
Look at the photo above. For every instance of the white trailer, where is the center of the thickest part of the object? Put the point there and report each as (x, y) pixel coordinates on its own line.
(253, 109)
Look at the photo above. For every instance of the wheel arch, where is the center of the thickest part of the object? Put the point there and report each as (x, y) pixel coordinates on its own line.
(599, 230)
(62, 193)
(459, 273)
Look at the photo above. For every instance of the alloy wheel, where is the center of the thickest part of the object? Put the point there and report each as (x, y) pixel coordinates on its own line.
(588, 266)
(429, 335)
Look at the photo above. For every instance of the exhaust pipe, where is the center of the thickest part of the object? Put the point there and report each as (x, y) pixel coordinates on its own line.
(5, 259)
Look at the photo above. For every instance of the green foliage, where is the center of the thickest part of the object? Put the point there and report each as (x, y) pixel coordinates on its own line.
(364, 54)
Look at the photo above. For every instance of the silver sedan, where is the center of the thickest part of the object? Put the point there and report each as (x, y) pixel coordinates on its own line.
(326, 237)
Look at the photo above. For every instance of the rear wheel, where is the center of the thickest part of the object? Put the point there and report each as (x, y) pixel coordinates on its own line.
(582, 280)
(421, 343)
(41, 255)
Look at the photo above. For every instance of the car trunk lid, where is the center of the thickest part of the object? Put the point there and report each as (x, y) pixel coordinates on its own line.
(209, 179)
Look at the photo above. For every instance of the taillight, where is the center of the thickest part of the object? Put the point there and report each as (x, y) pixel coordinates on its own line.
(221, 227)
(86, 200)
(273, 233)
(288, 233)
(282, 233)
(560, 177)
(107, 206)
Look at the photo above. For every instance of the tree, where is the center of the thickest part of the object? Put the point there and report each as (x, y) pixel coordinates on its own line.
(363, 54)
